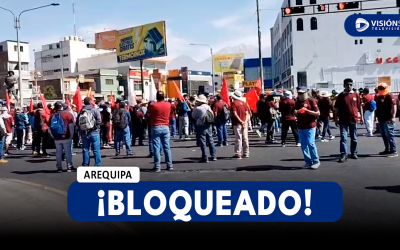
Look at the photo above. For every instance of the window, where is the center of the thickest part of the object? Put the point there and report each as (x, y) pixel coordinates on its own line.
(58, 45)
(109, 82)
(57, 70)
(151, 65)
(21, 48)
(161, 65)
(379, 12)
(299, 24)
(137, 86)
(65, 55)
(361, 41)
(379, 40)
(299, 2)
(313, 1)
(15, 47)
(355, 41)
(47, 59)
(50, 46)
(57, 56)
(66, 69)
(313, 23)
(48, 73)
(1, 48)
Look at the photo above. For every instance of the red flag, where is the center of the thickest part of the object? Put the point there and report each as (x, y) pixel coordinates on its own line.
(112, 101)
(77, 100)
(252, 98)
(45, 108)
(68, 103)
(258, 86)
(180, 96)
(31, 105)
(8, 102)
(225, 92)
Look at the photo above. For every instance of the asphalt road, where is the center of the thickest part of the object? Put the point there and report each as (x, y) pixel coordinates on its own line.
(371, 188)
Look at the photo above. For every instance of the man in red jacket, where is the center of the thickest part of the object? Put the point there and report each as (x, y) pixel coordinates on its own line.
(42, 135)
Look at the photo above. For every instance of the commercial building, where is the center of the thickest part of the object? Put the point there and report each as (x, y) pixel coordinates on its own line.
(252, 70)
(189, 82)
(9, 62)
(315, 50)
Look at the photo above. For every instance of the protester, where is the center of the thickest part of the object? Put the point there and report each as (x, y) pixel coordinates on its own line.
(222, 115)
(262, 114)
(89, 120)
(9, 124)
(172, 119)
(270, 116)
(287, 108)
(204, 117)
(105, 126)
(347, 107)
(159, 114)
(62, 124)
(9, 83)
(183, 117)
(240, 117)
(306, 110)
(42, 135)
(386, 114)
(369, 107)
(121, 121)
(21, 121)
(2, 140)
(325, 107)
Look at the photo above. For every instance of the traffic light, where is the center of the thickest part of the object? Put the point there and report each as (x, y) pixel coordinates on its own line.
(398, 3)
(323, 8)
(294, 10)
(348, 5)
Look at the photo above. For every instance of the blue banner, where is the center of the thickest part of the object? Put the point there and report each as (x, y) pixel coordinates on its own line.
(206, 201)
(383, 25)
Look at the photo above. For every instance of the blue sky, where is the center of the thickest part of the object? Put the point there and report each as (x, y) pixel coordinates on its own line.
(219, 23)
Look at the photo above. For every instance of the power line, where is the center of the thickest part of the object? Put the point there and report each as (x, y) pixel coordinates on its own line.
(244, 27)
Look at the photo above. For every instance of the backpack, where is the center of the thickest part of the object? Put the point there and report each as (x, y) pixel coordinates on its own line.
(209, 117)
(119, 119)
(86, 120)
(57, 126)
(226, 112)
(372, 106)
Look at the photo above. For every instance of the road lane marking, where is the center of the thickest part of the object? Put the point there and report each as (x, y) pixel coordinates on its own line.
(118, 224)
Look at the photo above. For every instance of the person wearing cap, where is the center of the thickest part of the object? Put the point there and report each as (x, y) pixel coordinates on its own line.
(347, 108)
(306, 110)
(220, 120)
(122, 135)
(90, 137)
(386, 113)
(105, 126)
(286, 107)
(369, 106)
(271, 117)
(204, 130)
(240, 117)
(183, 111)
(325, 107)
(21, 121)
(9, 124)
(63, 142)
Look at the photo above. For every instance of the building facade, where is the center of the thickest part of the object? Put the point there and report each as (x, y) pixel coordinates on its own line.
(62, 56)
(252, 70)
(9, 62)
(316, 51)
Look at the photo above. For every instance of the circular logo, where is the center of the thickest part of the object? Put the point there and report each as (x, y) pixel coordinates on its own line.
(361, 24)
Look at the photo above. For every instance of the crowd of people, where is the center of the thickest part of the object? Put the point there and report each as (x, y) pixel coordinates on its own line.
(99, 125)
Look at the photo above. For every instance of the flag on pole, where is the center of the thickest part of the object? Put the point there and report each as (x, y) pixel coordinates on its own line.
(112, 100)
(225, 92)
(77, 100)
(153, 90)
(180, 96)
(31, 105)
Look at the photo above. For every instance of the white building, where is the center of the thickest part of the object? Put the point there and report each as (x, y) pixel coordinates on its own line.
(63, 55)
(9, 62)
(316, 51)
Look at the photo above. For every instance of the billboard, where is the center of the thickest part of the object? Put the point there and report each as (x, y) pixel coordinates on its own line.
(141, 42)
(105, 39)
(228, 62)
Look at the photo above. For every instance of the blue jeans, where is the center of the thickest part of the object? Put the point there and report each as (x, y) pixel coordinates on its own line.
(91, 140)
(204, 136)
(2, 142)
(352, 128)
(172, 122)
(222, 132)
(122, 136)
(160, 137)
(387, 133)
(63, 146)
(307, 141)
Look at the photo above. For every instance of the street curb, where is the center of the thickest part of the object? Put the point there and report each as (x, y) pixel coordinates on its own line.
(118, 224)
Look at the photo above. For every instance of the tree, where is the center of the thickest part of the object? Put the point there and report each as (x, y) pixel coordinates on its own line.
(49, 92)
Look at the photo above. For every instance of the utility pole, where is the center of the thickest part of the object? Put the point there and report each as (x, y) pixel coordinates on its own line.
(73, 12)
(62, 71)
(259, 48)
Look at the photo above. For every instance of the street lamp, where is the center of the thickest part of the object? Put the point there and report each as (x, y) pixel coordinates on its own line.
(17, 26)
(212, 62)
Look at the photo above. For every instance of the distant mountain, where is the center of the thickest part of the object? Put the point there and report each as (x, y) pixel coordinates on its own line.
(249, 51)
